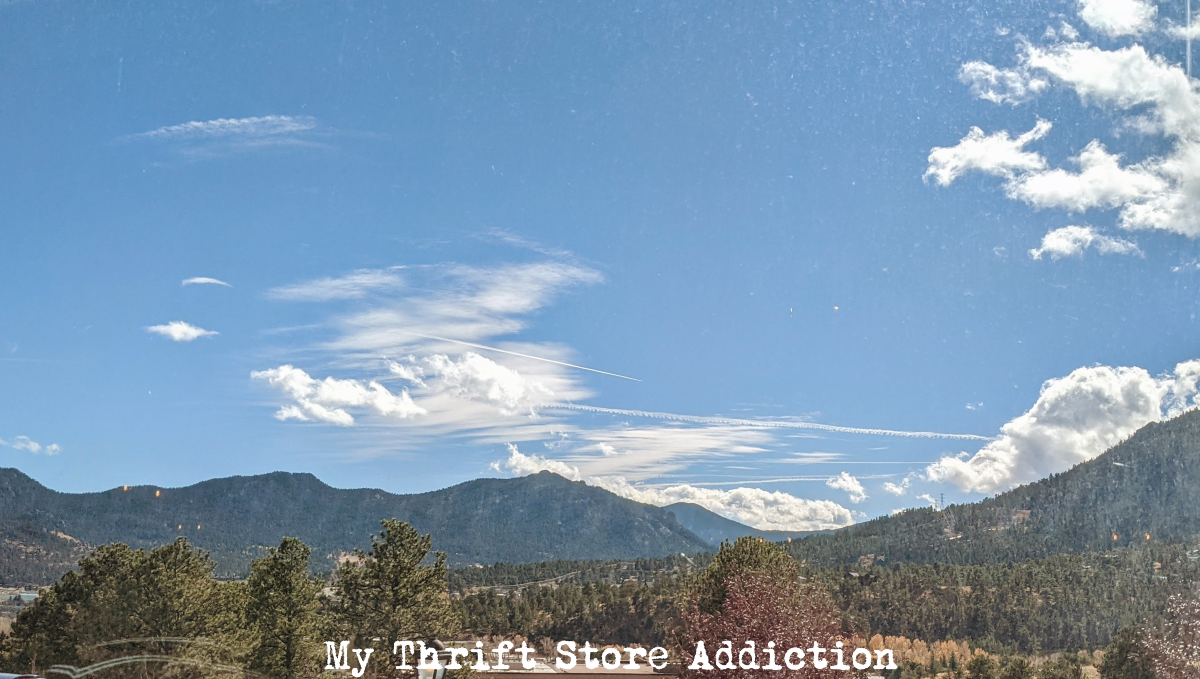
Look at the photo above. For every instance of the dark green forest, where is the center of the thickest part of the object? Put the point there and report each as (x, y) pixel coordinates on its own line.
(1144, 489)
(1065, 602)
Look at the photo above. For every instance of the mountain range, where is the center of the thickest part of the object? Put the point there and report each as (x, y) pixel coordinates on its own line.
(1144, 489)
(534, 518)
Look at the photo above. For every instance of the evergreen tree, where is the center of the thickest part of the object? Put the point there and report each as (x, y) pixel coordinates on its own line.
(982, 667)
(387, 593)
(125, 604)
(281, 609)
(1017, 668)
(745, 555)
(1127, 657)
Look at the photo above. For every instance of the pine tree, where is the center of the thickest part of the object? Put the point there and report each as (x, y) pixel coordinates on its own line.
(282, 612)
(387, 593)
(1127, 657)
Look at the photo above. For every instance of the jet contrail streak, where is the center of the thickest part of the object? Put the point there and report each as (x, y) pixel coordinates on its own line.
(766, 424)
(514, 353)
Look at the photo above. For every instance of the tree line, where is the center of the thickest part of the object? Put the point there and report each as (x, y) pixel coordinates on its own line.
(1065, 602)
(127, 613)
(125, 610)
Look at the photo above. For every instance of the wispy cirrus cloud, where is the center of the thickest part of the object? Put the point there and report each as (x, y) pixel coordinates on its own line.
(776, 423)
(181, 331)
(260, 126)
(29, 445)
(223, 136)
(432, 359)
(203, 280)
(354, 285)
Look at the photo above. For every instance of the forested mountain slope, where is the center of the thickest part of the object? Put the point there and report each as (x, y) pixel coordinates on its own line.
(539, 517)
(1146, 488)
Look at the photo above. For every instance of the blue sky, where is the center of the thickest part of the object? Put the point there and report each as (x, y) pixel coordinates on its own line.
(769, 216)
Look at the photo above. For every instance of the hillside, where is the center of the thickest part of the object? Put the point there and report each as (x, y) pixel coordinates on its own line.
(1146, 488)
(535, 518)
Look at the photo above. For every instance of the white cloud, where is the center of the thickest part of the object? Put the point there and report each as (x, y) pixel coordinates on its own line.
(754, 507)
(1116, 18)
(1071, 241)
(505, 391)
(1124, 78)
(898, 489)
(520, 464)
(325, 400)
(997, 154)
(351, 286)
(475, 377)
(204, 280)
(776, 423)
(1152, 95)
(231, 127)
(844, 481)
(1184, 32)
(1075, 418)
(1100, 183)
(484, 394)
(1001, 86)
(27, 444)
(644, 452)
(180, 331)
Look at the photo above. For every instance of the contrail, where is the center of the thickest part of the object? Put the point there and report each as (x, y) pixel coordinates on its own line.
(766, 424)
(514, 353)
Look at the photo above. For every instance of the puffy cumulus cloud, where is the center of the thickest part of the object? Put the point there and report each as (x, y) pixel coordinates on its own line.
(1101, 183)
(520, 464)
(203, 280)
(999, 85)
(1126, 78)
(474, 377)
(179, 331)
(897, 489)
(1075, 418)
(848, 483)
(27, 444)
(1146, 92)
(1159, 193)
(1071, 241)
(998, 153)
(353, 285)
(1116, 18)
(754, 507)
(326, 400)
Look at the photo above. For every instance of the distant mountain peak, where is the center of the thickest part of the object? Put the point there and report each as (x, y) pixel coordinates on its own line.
(532, 518)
